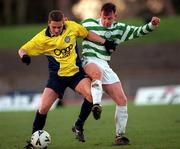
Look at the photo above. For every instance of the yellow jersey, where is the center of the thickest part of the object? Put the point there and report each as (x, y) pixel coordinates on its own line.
(61, 50)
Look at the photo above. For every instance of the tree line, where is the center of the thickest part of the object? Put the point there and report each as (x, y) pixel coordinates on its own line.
(36, 11)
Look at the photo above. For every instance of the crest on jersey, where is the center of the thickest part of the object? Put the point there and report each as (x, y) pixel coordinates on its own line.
(67, 39)
(107, 34)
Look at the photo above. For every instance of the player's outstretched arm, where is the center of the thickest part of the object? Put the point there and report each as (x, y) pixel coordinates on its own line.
(132, 32)
(24, 57)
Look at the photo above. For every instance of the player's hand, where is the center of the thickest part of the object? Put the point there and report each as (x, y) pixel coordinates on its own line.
(155, 21)
(26, 59)
(110, 46)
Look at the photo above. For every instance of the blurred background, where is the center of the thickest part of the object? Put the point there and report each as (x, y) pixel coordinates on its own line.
(153, 60)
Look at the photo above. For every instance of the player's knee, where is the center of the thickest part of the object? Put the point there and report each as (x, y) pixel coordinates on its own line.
(122, 101)
(96, 75)
(43, 110)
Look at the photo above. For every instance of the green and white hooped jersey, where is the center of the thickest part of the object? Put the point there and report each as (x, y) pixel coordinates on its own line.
(119, 32)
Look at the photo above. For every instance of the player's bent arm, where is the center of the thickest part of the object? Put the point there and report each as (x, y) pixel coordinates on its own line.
(94, 37)
(109, 45)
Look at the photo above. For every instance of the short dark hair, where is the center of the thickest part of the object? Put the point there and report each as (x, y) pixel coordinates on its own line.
(108, 8)
(55, 15)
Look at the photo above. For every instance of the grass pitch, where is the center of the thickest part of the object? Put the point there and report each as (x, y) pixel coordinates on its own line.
(149, 127)
(13, 37)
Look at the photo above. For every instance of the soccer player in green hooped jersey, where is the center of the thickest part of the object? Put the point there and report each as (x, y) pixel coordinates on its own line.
(58, 43)
(95, 63)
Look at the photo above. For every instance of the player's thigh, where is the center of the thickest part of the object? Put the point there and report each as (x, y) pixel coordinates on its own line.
(116, 92)
(48, 98)
(84, 88)
(93, 71)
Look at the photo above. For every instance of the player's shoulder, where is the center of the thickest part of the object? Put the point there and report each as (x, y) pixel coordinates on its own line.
(119, 24)
(90, 22)
(69, 23)
(72, 25)
(40, 35)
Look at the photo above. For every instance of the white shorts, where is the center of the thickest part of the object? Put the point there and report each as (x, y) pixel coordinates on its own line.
(109, 76)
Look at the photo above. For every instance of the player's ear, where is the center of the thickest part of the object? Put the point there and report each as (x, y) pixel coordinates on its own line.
(116, 16)
(101, 13)
(49, 22)
(66, 19)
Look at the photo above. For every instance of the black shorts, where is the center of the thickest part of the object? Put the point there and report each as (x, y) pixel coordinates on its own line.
(59, 84)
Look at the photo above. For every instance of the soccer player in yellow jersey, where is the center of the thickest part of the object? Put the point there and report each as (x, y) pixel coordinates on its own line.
(58, 43)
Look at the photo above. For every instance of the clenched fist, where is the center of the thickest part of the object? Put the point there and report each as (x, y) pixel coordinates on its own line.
(155, 21)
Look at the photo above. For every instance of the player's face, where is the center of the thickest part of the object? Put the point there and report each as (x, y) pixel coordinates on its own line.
(107, 20)
(56, 27)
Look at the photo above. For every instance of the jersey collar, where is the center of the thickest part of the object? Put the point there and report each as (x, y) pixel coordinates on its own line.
(49, 34)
